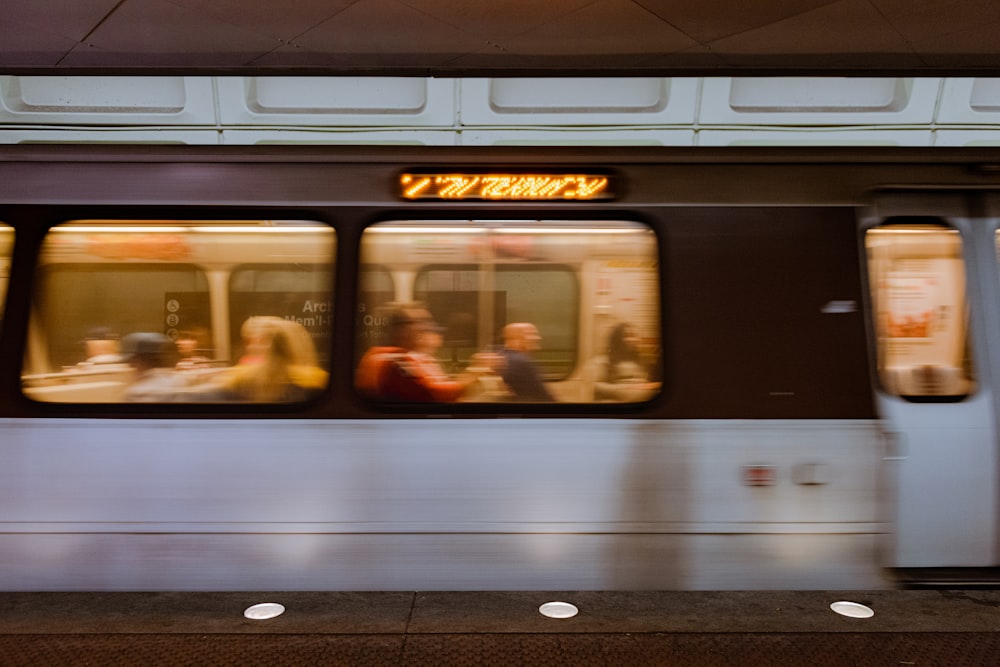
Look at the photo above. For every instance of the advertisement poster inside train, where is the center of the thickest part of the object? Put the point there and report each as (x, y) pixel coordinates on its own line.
(923, 313)
(629, 291)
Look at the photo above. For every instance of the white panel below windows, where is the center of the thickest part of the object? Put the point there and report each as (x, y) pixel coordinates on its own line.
(397, 137)
(981, 137)
(94, 100)
(577, 137)
(970, 100)
(853, 137)
(337, 101)
(579, 101)
(818, 100)
(35, 135)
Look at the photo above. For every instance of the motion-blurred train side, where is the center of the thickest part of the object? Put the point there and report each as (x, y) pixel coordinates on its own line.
(809, 400)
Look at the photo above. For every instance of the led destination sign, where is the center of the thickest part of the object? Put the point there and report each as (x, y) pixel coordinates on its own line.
(505, 187)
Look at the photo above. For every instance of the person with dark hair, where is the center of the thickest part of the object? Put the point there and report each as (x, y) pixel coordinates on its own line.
(192, 347)
(621, 375)
(624, 358)
(153, 356)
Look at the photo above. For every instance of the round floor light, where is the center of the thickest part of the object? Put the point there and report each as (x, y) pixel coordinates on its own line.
(264, 611)
(852, 609)
(558, 610)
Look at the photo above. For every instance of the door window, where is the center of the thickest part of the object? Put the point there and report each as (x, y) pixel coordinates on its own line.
(918, 285)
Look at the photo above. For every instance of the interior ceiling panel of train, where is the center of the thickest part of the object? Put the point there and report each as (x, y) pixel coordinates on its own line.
(501, 37)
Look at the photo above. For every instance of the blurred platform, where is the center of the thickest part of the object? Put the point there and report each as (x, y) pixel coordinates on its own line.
(774, 628)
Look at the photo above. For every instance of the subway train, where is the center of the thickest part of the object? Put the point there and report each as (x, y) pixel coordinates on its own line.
(761, 368)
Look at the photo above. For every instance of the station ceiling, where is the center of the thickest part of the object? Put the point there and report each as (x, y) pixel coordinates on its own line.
(502, 37)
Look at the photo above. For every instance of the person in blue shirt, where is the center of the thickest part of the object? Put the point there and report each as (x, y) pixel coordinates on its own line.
(520, 371)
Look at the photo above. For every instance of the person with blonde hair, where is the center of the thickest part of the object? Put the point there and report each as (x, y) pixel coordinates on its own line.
(282, 369)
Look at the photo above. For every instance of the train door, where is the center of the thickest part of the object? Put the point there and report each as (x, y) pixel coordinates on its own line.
(929, 292)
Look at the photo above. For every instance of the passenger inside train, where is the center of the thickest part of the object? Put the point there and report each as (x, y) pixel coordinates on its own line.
(193, 283)
(282, 370)
(249, 305)
(406, 367)
(519, 370)
(152, 356)
(253, 339)
(102, 345)
(194, 349)
(621, 373)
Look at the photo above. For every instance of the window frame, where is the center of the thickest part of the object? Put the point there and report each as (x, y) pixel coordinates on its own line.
(204, 265)
(581, 357)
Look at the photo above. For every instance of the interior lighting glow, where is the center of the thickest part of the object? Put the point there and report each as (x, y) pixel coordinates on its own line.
(181, 230)
(578, 231)
(313, 229)
(70, 229)
(852, 609)
(425, 230)
(558, 610)
(264, 611)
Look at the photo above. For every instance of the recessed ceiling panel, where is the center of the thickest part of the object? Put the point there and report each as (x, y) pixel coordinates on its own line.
(607, 27)
(284, 20)
(503, 37)
(161, 32)
(386, 26)
(707, 21)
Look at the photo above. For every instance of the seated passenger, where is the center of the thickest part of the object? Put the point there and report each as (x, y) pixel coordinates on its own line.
(519, 371)
(193, 348)
(283, 369)
(102, 346)
(153, 356)
(253, 335)
(620, 375)
(406, 369)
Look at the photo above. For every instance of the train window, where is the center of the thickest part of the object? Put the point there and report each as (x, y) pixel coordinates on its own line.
(6, 247)
(917, 278)
(517, 311)
(181, 311)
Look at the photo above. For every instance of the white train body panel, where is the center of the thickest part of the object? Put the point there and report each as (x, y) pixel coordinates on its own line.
(450, 503)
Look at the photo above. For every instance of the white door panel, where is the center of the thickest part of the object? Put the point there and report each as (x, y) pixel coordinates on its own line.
(935, 394)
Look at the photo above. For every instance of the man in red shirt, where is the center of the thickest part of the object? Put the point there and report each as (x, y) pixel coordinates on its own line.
(406, 369)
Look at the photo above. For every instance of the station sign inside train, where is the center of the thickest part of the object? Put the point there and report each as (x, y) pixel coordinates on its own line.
(505, 187)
